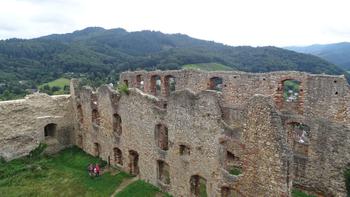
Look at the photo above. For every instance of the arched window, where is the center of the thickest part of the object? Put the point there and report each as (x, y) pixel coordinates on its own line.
(161, 136)
(156, 84)
(50, 130)
(170, 84)
(117, 124)
(140, 82)
(215, 83)
(198, 186)
(118, 156)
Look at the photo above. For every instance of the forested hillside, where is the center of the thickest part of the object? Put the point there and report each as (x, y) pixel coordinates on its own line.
(337, 53)
(99, 55)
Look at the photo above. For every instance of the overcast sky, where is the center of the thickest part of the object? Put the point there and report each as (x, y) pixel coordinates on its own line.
(233, 22)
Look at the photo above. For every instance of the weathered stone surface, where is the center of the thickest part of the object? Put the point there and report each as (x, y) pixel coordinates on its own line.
(22, 124)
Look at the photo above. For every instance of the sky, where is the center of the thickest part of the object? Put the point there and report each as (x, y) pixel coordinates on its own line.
(232, 22)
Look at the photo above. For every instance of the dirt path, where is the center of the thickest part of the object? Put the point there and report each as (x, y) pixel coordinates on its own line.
(123, 185)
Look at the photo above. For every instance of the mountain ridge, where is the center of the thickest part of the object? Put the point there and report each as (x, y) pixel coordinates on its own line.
(99, 55)
(336, 53)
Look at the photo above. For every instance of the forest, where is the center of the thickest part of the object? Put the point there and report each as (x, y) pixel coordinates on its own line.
(98, 55)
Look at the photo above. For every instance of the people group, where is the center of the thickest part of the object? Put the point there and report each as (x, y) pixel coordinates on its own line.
(94, 170)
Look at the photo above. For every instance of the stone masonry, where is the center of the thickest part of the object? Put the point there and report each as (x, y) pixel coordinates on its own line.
(186, 130)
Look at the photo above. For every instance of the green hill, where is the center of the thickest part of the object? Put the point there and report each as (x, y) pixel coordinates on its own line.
(337, 53)
(99, 55)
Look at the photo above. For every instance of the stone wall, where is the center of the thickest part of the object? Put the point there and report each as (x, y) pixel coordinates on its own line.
(196, 134)
(23, 122)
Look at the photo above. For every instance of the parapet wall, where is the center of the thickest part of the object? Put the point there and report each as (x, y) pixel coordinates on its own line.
(23, 123)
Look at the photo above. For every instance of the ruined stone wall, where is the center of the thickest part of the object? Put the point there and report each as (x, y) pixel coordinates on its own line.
(323, 105)
(180, 139)
(22, 124)
(324, 96)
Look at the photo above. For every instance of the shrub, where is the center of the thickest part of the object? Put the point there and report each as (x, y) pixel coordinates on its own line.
(123, 88)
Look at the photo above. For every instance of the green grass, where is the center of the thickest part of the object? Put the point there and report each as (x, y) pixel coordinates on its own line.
(140, 189)
(298, 193)
(63, 174)
(208, 67)
(60, 82)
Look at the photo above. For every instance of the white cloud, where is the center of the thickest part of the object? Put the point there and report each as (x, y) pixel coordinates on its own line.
(234, 22)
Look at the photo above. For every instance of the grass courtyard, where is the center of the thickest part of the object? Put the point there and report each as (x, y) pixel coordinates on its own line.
(64, 174)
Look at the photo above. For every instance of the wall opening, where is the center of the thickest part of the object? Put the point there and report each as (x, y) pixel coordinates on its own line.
(117, 124)
(299, 138)
(185, 150)
(215, 83)
(163, 172)
(233, 165)
(118, 156)
(95, 117)
(134, 162)
(170, 84)
(198, 186)
(156, 84)
(97, 149)
(291, 90)
(126, 82)
(161, 136)
(80, 114)
(140, 82)
(226, 192)
(50, 130)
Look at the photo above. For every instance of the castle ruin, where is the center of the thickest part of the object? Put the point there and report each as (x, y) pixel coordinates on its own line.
(189, 131)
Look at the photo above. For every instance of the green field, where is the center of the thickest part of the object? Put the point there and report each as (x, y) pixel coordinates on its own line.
(56, 87)
(61, 82)
(65, 174)
(208, 67)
